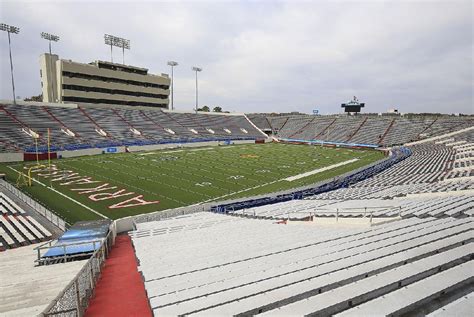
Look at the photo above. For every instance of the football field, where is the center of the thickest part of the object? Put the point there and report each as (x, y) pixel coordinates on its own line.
(118, 185)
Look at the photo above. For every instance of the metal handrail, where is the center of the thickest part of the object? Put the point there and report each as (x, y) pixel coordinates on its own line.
(371, 213)
(63, 246)
(74, 298)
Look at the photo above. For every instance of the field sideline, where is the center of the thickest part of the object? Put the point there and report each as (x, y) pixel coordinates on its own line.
(118, 185)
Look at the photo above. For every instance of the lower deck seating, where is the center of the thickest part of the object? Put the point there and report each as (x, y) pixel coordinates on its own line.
(26, 289)
(25, 127)
(218, 265)
(17, 228)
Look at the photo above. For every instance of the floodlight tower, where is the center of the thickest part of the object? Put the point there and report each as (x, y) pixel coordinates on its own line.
(118, 42)
(108, 41)
(125, 45)
(197, 69)
(50, 38)
(15, 30)
(172, 64)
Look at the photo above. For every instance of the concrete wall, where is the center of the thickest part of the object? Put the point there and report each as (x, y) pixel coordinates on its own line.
(11, 157)
(139, 148)
(128, 223)
(124, 224)
(17, 157)
(85, 152)
(48, 75)
(154, 147)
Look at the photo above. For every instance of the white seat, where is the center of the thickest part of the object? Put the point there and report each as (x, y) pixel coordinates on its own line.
(402, 299)
(28, 225)
(45, 231)
(12, 230)
(21, 228)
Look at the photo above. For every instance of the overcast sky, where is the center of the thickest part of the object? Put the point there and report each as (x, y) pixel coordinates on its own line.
(264, 56)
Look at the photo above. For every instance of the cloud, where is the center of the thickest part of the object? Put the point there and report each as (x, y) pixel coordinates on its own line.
(266, 56)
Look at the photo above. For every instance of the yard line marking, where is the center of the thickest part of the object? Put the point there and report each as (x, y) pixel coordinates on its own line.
(204, 149)
(240, 191)
(64, 195)
(159, 152)
(276, 181)
(319, 170)
(182, 150)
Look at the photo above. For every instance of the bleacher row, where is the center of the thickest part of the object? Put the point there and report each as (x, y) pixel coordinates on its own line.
(88, 127)
(248, 264)
(423, 206)
(216, 265)
(27, 289)
(420, 168)
(387, 192)
(17, 228)
(362, 129)
(429, 170)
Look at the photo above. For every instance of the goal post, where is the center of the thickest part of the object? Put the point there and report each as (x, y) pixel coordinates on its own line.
(25, 179)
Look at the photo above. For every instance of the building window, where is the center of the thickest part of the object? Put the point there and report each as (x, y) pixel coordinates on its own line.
(114, 102)
(114, 91)
(114, 80)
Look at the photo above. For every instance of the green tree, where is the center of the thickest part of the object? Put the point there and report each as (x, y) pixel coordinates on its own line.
(217, 109)
(204, 109)
(35, 98)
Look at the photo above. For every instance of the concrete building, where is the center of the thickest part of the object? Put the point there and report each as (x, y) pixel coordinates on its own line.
(101, 82)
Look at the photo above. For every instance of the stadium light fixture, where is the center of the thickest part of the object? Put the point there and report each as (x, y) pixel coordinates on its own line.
(15, 30)
(50, 38)
(196, 70)
(172, 64)
(117, 42)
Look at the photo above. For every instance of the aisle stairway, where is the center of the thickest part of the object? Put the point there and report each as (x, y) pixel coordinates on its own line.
(120, 290)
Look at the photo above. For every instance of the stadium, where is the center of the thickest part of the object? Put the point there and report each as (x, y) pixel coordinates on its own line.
(116, 203)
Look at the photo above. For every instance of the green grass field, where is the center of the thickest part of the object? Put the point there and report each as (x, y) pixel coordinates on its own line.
(179, 177)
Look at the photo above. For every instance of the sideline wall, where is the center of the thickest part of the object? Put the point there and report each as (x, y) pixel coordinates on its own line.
(18, 157)
(11, 157)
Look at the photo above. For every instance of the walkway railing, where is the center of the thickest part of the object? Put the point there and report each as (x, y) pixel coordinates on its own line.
(50, 216)
(75, 298)
(367, 212)
(63, 256)
(310, 213)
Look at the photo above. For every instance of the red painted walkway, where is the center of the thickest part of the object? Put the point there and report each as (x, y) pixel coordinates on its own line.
(120, 290)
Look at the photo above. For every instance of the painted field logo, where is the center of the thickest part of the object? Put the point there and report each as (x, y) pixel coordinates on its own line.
(249, 156)
(98, 192)
(203, 184)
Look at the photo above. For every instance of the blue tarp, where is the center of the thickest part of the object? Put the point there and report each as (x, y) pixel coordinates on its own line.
(80, 238)
(74, 246)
